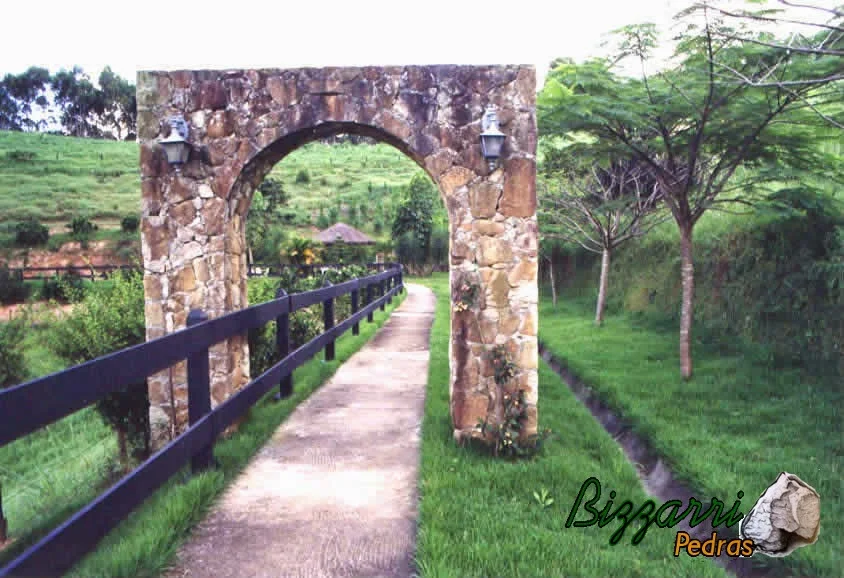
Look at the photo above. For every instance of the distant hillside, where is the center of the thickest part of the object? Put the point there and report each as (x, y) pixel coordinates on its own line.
(53, 178)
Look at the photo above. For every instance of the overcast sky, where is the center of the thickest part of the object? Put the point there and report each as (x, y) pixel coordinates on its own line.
(173, 34)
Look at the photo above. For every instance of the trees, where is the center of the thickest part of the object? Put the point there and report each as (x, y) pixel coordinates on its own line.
(599, 207)
(815, 31)
(415, 214)
(269, 197)
(85, 109)
(18, 93)
(120, 104)
(692, 127)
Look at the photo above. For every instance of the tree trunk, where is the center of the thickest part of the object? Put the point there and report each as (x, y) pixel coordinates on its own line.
(602, 287)
(687, 274)
(553, 283)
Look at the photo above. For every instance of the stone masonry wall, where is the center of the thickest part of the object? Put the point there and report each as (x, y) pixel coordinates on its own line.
(242, 122)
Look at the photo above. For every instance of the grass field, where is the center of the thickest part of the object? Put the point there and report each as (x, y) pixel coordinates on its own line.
(58, 177)
(478, 516)
(50, 474)
(735, 426)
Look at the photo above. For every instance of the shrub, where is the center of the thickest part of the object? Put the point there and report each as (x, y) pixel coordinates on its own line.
(130, 223)
(67, 287)
(262, 352)
(81, 229)
(300, 251)
(21, 156)
(30, 233)
(110, 318)
(411, 252)
(12, 360)
(322, 219)
(12, 286)
(302, 177)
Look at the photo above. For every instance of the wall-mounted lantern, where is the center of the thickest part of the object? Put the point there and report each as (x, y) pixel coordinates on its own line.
(491, 138)
(176, 145)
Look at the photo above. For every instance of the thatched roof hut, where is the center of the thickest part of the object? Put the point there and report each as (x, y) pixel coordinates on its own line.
(341, 232)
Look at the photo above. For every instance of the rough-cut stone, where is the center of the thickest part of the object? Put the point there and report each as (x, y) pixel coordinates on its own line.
(524, 271)
(486, 227)
(499, 290)
(184, 281)
(193, 218)
(155, 237)
(183, 213)
(519, 198)
(492, 250)
(483, 200)
(455, 178)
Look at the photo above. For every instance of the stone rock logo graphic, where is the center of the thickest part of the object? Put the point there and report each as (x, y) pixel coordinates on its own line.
(786, 517)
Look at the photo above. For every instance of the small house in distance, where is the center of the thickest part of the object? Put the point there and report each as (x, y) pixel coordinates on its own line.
(342, 233)
(345, 244)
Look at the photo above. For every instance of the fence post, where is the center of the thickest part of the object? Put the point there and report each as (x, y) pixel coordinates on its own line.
(199, 394)
(328, 318)
(390, 285)
(401, 279)
(282, 342)
(368, 301)
(356, 307)
(381, 291)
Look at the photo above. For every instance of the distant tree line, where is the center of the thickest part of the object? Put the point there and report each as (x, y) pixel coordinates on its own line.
(69, 102)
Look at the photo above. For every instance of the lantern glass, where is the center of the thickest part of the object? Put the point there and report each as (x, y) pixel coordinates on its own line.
(491, 145)
(177, 151)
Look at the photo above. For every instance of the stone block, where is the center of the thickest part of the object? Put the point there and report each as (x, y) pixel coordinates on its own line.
(492, 250)
(483, 199)
(519, 198)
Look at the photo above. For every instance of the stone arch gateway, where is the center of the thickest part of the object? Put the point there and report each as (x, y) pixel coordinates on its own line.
(242, 122)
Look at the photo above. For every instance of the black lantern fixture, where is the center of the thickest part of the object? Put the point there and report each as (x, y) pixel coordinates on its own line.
(176, 145)
(491, 138)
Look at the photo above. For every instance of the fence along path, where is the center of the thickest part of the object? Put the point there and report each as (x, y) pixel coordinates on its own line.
(333, 493)
(29, 406)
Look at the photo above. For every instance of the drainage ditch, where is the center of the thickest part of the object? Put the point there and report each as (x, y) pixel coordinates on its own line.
(655, 474)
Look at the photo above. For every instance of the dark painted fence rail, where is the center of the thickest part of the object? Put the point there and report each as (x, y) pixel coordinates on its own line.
(29, 406)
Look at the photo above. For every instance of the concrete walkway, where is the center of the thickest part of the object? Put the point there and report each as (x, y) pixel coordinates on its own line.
(333, 493)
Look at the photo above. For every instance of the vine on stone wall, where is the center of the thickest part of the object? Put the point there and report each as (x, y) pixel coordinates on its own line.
(506, 436)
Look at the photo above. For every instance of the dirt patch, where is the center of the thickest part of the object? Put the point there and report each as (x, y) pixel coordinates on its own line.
(71, 254)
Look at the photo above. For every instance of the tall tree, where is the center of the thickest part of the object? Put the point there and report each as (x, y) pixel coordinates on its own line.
(82, 105)
(120, 107)
(18, 94)
(599, 206)
(691, 126)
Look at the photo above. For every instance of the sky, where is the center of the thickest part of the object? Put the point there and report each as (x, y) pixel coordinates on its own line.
(171, 35)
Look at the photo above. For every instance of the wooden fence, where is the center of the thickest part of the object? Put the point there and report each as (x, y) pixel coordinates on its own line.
(29, 406)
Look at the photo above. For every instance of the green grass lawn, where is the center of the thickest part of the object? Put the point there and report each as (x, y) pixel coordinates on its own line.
(53, 178)
(50, 474)
(734, 426)
(478, 516)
